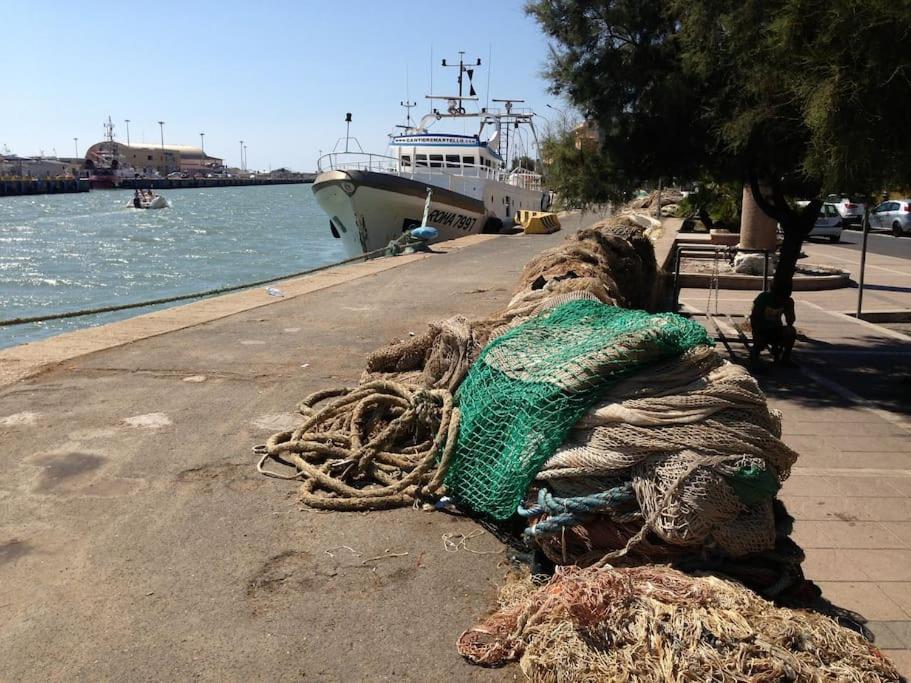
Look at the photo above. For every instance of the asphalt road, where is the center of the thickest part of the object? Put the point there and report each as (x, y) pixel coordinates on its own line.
(877, 243)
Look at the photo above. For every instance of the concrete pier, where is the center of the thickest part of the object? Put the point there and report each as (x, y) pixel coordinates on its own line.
(12, 187)
(182, 183)
(137, 540)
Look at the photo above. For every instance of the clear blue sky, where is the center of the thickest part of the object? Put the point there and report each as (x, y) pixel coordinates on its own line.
(279, 75)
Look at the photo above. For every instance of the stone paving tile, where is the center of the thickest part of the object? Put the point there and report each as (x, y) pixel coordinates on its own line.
(848, 509)
(900, 529)
(879, 444)
(902, 485)
(833, 565)
(883, 636)
(808, 445)
(820, 486)
(844, 534)
(882, 564)
(900, 592)
(793, 427)
(819, 415)
(849, 460)
(902, 629)
(866, 598)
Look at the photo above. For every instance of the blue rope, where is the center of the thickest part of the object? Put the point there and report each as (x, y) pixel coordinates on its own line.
(564, 512)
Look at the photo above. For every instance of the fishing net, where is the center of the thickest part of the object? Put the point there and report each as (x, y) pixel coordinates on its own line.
(697, 444)
(593, 259)
(530, 385)
(654, 623)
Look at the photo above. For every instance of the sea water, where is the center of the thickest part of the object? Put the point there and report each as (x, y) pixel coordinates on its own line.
(67, 252)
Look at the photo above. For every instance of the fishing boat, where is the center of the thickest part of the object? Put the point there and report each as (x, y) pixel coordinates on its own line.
(104, 163)
(372, 199)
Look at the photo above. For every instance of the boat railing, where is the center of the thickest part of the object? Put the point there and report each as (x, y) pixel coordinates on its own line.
(519, 177)
(357, 161)
(365, 161)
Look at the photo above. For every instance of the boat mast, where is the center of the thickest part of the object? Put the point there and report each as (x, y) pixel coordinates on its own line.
(508, 102)
(408, 105)
(463, 69)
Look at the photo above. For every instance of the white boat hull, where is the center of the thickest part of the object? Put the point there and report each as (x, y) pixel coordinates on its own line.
(368, 210)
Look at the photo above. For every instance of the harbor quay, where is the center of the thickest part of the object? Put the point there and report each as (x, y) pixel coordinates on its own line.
(188, 183)
(11, 187)
(25, 186)
(138, 538)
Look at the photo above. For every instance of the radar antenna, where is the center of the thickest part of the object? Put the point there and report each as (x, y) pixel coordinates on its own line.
(464, 69)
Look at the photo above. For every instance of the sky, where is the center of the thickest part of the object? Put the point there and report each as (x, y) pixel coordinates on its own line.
(278, 75)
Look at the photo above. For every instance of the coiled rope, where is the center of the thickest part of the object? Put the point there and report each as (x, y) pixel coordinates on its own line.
(184, 297)
(568, 512)
(375, 446)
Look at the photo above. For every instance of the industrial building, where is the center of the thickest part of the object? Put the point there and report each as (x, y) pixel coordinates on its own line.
(151, 158)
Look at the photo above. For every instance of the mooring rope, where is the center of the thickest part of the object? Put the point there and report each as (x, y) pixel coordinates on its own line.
(184, 297)
(379, 445)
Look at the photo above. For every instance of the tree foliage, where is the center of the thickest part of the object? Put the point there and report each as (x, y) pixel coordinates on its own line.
(800, 96)
(580, 178)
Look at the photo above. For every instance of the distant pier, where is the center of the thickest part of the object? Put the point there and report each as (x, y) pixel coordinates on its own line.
(186, 183)
(11, 187)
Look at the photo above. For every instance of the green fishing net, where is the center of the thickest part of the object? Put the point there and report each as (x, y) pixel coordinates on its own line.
(531, 385)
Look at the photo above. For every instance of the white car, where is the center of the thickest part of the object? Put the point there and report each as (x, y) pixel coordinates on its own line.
(829, 223)
(851, 209)
(892, 214)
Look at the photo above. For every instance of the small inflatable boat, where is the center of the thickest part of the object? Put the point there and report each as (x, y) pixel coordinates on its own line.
(155, 202)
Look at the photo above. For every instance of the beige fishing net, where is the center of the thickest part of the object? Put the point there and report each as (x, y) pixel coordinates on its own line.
(653, 623)
(699, 445)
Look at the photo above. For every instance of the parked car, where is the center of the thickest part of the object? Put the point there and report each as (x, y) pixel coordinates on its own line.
(851, 209)
(829, 222)
(892, 214)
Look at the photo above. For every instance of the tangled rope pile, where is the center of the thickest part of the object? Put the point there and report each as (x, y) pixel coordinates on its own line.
(372, 447)
(653, 623)
(437, 359)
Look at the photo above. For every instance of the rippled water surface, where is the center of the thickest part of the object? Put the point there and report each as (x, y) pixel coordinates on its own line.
(73, 251)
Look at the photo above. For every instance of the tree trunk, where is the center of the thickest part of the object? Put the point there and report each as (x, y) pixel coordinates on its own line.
(796, 224)
(757, 229)
(783, 280)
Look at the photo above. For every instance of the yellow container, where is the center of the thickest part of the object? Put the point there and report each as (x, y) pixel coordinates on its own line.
(537, 222)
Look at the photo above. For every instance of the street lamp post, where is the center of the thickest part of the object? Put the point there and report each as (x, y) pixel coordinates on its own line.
(127, 121)
(76, 145)
(245, 157)
(202, 142)
(161, 128)
(561, 112)
(241, 155)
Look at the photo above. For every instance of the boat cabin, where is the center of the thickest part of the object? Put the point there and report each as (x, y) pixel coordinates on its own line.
(459, 154)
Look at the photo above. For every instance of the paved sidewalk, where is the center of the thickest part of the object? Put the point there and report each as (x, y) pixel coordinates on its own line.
(847, 412)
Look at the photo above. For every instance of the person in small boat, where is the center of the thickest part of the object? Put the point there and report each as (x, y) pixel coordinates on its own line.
(137, 202)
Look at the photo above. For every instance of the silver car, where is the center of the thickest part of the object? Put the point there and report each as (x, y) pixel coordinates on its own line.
(849, 208)
(892, 214)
